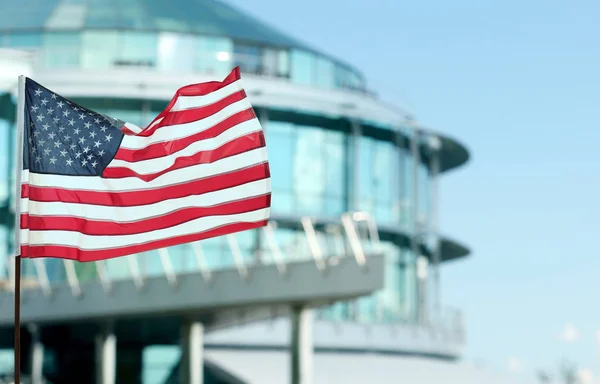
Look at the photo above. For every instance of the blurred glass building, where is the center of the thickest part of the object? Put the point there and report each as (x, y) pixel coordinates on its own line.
(333, 146)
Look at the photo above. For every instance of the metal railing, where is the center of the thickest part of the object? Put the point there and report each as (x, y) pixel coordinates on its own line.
(308, 243)
(355, 236)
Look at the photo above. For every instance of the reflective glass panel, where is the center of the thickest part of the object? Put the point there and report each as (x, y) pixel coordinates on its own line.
(137, 49)
(303, 67)
(214, 55)
(248, 58)
(99, 49)
(22, 40)
(61, 50)
(325, 73)
(176, 52)
(281, 142)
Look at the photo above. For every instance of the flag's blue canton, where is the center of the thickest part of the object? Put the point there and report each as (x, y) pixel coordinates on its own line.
(61, 137)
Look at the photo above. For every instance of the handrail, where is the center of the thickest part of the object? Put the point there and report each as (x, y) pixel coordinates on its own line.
(42, 274)
(326, 242)
(237, 256)
(371, 227)
(352, 236)
(313, 242)
(165, 261)
(201, 261)
(72, 277)
(134, 269)
(274, 247)
(103, 275)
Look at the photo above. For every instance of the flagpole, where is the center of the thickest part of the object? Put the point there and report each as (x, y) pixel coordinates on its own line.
(18, 170)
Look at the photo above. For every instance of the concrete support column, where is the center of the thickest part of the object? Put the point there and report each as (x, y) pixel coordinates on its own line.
(36, 355)
(106, 357)
(192, 353)
(301, 346)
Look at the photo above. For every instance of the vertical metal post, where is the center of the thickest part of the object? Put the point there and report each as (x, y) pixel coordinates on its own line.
(301, 346)
(20, 128)
(263, 118)
(192, 351)
(134, 269)
(354, 160)
(19, 136)
(37, 356)
(435, 146)
(165, 261)
(416, 232)
(106, 357)
(11, 135)
(72, 277)
(201, 261)
(353, 191)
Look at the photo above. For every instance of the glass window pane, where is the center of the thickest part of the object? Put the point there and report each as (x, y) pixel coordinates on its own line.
(248, 58)
(280, 139)
(137, 49)
(335, 164)
(382, 171)
(365, 175)
(283, 63)
(99, 49)
(214, 55)
(303, 67)
(176, 52)
(309, 166)
(424, 194)
(23, 40)
(325, 73)
(61, 50)
(269, 62)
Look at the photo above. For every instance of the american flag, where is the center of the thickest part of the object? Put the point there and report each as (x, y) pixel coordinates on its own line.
(95, 187)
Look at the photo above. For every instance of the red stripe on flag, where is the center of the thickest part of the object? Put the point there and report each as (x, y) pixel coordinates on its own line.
(199, 89)
(149, 196)
(88, 255)
(171, 219)
(194, 114)
(235, 147)
(169, 147)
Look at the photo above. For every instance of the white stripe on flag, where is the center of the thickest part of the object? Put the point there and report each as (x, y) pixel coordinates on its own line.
(91, 242)
(190, 102)
(141, 212)
(179, 131)
(177, 176)
(158, 164)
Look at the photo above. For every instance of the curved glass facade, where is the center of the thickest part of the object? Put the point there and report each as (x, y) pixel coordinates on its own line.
(321, 170)
(98, 49)
(312, 169)
(321, 167)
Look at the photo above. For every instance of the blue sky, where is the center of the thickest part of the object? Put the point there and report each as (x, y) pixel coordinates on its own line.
(518, 82)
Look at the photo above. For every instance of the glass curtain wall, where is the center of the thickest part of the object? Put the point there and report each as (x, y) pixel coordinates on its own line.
(180, 52)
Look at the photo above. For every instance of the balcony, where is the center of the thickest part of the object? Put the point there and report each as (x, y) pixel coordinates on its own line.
(245, 289)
